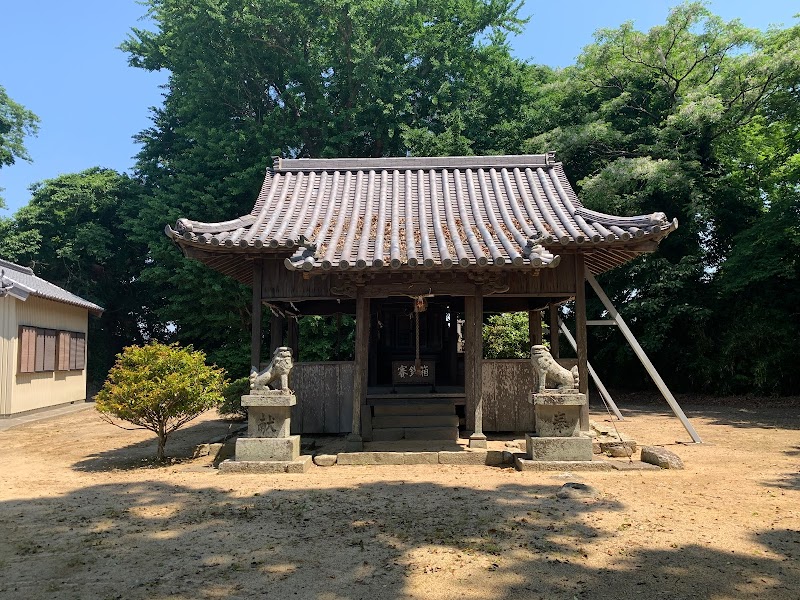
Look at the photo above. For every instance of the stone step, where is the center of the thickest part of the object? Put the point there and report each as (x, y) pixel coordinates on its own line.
(438, 408)
(396, 434)
(432, 433)
(406, 421)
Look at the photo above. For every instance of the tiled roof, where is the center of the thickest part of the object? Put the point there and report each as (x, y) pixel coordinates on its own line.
(438, 212)
(20, 282)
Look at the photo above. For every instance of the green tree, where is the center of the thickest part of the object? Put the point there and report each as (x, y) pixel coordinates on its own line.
(73, 233)
(160, 388)
(647, 121)
(319, 78)
(505, 335)
(16, 122)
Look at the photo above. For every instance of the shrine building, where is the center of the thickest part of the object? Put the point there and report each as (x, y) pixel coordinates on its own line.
(418, 250)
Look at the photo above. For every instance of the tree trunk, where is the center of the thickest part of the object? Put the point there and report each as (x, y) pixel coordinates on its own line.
(162, 442)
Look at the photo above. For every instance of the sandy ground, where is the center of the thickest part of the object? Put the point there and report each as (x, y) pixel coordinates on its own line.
(82, 515)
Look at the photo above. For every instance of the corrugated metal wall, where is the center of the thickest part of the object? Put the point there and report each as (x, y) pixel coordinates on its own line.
(8, 350)
(30, 391)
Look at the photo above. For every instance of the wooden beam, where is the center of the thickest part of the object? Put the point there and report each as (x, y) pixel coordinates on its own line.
(640, 353)
(255, 326)
(580, 337)
(555, 351)
(600, 387)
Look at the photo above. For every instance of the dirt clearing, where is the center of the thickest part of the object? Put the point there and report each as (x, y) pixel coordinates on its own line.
(82, 516)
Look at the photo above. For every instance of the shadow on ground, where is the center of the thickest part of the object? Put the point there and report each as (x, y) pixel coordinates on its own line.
(733, 416)
(180, 446)
(376, 540)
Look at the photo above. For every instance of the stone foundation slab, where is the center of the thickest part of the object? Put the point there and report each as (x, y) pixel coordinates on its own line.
(268, 449)
(558, 448)
(301, 465)
(525, 464)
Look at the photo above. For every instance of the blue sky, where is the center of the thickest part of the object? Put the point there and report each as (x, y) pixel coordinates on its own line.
(60, 59)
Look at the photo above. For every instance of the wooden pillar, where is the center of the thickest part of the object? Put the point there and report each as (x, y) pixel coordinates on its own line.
(255, 327)
(275, 333)
(372, 378)
(293, 337)
(452, 346)
(467, 331)
(534, 327)
(555, 351)
(580, 337)
(477, 439)
(354, 440)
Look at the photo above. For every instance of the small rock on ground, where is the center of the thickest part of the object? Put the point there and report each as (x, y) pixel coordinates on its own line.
(661, 457)
(325, 460)
(618, 449)
(576, 491)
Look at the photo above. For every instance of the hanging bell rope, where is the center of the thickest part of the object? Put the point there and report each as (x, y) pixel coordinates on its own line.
(420, 305)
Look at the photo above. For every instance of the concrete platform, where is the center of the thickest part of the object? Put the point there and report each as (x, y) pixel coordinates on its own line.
(445, 457)
(301, 465)
(525, 464)
(636, 465)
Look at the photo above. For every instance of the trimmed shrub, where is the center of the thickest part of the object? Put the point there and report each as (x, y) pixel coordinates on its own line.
(231, 406)
(160, 388)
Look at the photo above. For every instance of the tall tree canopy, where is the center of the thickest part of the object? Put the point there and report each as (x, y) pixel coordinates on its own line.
(319, 78)
(73, 233)
(16, 122)
(693, 118)
(697, 117)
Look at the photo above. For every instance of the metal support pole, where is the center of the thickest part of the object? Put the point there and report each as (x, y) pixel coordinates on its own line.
(623, 327)
(601, 388)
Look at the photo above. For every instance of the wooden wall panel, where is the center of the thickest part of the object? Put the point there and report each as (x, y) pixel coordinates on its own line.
(491, 407)
(278, 283)
(324, 393)
(507, 387)
(558, 281)
(346, 390)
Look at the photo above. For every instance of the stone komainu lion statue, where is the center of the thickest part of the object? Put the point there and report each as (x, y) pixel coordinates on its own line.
(277, 371)
(550, 373)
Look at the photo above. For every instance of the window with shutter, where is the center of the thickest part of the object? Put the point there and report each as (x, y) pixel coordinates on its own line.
(80, 351)
(49, 350)
(73, 352)
(63, 350)
(39, 359)
(27, 349)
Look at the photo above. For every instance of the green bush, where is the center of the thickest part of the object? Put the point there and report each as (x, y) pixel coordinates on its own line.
(160, 388)
(506, 336)
(232, 403)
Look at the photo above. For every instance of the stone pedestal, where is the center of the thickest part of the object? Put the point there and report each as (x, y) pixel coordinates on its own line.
(557, 431)
(269, 446)
(557, 413)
